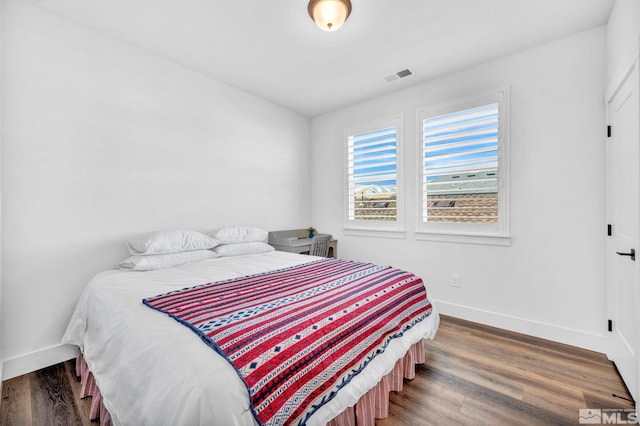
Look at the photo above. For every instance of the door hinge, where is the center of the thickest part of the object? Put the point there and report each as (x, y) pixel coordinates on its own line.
(608, 131)
(609, 230)
(610, 325)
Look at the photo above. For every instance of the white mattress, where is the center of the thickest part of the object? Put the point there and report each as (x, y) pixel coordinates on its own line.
(152, 370)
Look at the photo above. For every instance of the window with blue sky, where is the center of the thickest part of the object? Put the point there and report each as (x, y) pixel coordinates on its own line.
(464, 168)
(373, 175)
(460, 161)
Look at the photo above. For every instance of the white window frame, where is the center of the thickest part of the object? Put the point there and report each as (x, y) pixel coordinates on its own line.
(473, 233)
(377, 228)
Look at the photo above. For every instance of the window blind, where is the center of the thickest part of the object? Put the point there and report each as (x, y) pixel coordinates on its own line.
(372, 175)
(460, 166)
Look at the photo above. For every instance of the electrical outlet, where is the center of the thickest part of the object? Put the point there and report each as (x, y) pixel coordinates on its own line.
(455, 280)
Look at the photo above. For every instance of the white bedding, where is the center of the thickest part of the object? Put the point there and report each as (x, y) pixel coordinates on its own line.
(152, 370)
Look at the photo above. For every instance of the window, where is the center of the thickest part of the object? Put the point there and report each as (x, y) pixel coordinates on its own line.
(374, 176)
(464, 169)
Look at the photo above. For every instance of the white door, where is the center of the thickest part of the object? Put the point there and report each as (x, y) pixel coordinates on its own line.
(623, 209)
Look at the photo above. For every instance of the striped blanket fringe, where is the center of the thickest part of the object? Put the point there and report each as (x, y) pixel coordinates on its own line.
(372, 405)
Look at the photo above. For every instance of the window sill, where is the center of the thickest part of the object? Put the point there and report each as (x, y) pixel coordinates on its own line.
(462, 238)
(371, 232)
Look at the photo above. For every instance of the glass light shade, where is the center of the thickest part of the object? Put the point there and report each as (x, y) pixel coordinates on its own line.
(329, 15)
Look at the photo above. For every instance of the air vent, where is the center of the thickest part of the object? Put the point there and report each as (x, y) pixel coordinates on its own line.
(398, 75)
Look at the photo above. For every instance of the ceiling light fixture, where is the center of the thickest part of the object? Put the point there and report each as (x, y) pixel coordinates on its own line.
(329, 15)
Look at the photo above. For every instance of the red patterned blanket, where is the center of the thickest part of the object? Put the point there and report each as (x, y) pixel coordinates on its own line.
(298, 335)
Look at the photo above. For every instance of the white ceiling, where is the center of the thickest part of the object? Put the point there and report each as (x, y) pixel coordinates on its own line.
(272, 49)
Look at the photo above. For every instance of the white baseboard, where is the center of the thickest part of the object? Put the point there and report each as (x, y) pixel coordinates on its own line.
(568, 336)
(33, 361)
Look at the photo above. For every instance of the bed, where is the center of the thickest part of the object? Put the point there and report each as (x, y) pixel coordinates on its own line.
(143, 366)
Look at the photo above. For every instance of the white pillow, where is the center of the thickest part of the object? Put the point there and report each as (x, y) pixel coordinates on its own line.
(161, 261)
(240, 234)
(170, 242)
(238, 249)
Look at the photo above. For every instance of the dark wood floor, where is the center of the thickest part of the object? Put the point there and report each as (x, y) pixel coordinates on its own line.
(50, 396)
(474, 375)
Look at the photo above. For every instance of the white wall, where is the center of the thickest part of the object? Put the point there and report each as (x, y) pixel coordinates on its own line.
(100, 141)
(550, 281)
(623, 38)
(1, 56)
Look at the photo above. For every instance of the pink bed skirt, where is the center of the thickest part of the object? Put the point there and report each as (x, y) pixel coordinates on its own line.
(88, 387)
(375, 403)
(372, 405)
